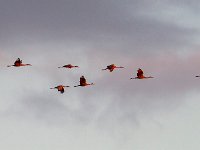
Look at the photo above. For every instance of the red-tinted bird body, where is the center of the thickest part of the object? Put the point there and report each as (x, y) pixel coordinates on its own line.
(60, 88)
(83, 82)
(69, 66)
(140, 75)
(111, 67)
(18, 63)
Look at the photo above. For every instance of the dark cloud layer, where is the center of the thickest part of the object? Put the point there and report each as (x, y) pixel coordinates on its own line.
(106, 25)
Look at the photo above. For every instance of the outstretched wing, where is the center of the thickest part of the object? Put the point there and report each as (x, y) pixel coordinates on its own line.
(140, 73)
(62, 90)
(111, 67)
(82, 80)
(18, 62)
(69, 66)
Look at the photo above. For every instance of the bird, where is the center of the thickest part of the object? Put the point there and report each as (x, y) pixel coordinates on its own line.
(197, 76)
(111, 67)
(69, 66)
(140, 75)
(61, 88)
(18, 63)
(83, 82)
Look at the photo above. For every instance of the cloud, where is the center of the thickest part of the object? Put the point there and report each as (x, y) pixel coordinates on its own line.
(114, 98)
(100, 26)
(93, 34)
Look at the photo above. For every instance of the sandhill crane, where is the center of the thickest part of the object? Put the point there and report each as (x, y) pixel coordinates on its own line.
(60, 88)
(69, 66)
(18, 63)
(140, 75)
(83, 82)
(111, 67)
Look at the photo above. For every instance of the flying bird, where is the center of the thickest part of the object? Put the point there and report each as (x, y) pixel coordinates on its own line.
(140, 75)
(69, 66)
(197, 76)
(18, 63)
(111, 67)
(60, 88)
(83, 82)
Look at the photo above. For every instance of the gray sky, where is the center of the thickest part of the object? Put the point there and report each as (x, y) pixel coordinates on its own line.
(161, 37)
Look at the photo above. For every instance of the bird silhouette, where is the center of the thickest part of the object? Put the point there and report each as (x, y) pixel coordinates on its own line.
(83, 82)
(111, 67)
(18, 63)
(69, 66)
(140, 75)
(60, 88)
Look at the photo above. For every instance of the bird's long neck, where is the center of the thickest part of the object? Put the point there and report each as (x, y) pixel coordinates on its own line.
(89, 83)
(66, 86)
(119, 67)
(148, 77)
(135, 78)
(85, 84)
(10, 65)
(77, 85)
(25, 64)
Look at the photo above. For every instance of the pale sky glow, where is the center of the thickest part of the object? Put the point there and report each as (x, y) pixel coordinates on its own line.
(161, 37)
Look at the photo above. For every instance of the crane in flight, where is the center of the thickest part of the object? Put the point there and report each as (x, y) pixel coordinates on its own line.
(83, 82)
(69, 66)
(18, 63)
(60, 88)
(111, 67)
(140, 75)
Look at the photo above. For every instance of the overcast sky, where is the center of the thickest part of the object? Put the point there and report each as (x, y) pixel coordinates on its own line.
(161, 37)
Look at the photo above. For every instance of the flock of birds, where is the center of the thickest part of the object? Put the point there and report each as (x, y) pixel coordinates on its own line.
(83, 82)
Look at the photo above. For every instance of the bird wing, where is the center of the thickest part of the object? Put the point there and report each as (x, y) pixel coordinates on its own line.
(82, 81)
(62, 90)
(18, 62)
(111, 69)
(140, 73)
